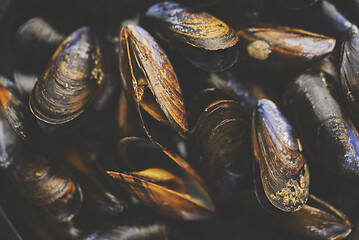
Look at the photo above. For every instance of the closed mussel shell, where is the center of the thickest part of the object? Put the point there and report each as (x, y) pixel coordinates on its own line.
(323, 125)
(50, 187)
(15, 111)
(71, 80)
(35, 41)
(38, 36)
(203, 39)
(163, 181)
(280, 171)
(349, 74)
(233, 85)
(150, 82)
(317, 219)
(282, 48)
(222, 144)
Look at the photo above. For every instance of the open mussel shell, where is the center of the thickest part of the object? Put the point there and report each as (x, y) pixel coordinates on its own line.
(327, 133)
(15, 111)
(280, 169)
(71, 80)
(49, 187)
(163, 181)
(150, 82)
(221, 139)
(98, 188)
(204, 40)
(349, 73)
(281, 48)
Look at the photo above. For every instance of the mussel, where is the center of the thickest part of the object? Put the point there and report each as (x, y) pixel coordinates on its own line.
(349, 74)
(297, 4)
(15, 111)
(281, 48)
(221, 141)
(203, 39)
(323, 125)
(150, 82)
(35, 41)
(233, 85)
(9, 142)
(98, 190)
(8, 230)
(317, 219)
(70, 82)
(38, 36)
(163, 181)
(150, 232)
(281, 173)
(46, 185)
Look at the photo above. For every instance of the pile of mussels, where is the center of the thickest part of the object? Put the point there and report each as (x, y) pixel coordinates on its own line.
(215, 119)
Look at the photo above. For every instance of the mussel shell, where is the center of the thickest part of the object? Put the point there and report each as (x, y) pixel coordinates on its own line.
(150, 232)
(323, 125)
(47, 186)
(336, 23)
(38, 36)
(297, 4)
(9, 142)
(193, 204)
(222, 144)
(71, 81)
(282, 48)
(349, 74)
(279, 165)
(232, 85)
(98, 188)
(15, 111)
(139, 223)
(318, 219)
(35, 41)
(141, 53)
(204, 99)
(203, 39)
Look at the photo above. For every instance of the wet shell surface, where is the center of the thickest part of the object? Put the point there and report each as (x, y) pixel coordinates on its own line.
(283, 172)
